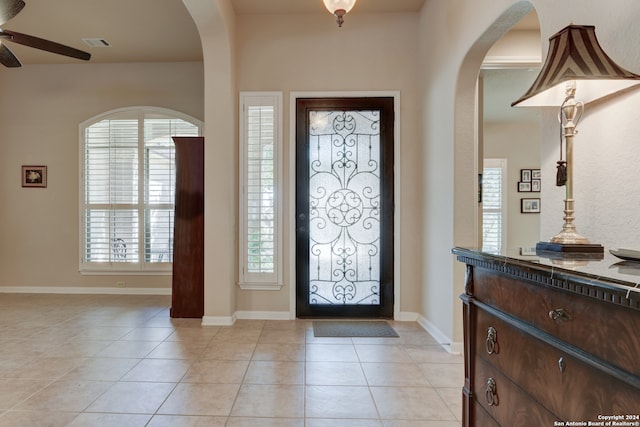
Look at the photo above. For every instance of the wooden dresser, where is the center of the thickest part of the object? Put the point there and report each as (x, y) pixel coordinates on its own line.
(550, 342)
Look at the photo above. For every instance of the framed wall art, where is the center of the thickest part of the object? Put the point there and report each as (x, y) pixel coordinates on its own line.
(530, 205)
(524, 187)
(535, 185)
(34, 176)
(530, 181)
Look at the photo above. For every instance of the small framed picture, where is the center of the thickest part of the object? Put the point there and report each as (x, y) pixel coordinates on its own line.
(535, 185)
(535, 174)
(525, 175)
(524, 187)
(530, 205)
(34, 176)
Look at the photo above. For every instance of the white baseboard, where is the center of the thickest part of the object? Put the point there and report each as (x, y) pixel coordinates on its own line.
(245, 315)
(218, 320)
(407, 316)
(446, 342)
(82, 290)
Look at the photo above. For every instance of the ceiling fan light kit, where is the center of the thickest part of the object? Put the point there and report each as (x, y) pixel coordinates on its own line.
(9, 9)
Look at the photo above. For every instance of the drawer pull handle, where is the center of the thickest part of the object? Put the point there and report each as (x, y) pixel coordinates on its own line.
(491, 343)
(559, 314)
(561, 364)
(491, 395)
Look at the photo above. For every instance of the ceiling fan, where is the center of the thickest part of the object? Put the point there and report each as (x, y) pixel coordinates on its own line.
(9, 9)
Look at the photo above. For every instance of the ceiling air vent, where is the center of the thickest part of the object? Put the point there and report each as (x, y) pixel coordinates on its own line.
(97, 42)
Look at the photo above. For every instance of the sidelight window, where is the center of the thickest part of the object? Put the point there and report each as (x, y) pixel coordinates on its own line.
(260, 190)
(493, 205)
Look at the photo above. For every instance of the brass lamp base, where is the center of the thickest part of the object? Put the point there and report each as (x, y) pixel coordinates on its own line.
(569, 240)
(569, 247)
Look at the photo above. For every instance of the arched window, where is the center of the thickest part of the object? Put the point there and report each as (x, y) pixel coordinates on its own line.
(127, 189)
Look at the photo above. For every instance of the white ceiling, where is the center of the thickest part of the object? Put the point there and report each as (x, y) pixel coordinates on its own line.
(146, 30)
(138, 30)
(316, 6)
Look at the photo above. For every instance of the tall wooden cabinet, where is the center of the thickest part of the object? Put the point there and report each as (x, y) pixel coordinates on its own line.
(187, 293)
(550, 343)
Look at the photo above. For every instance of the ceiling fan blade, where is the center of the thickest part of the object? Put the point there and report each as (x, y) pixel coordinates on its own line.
(7, 58)
(48, 45)
(9, 9)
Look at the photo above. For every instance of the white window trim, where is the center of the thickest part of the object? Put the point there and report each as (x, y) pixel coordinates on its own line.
(133, 269)
(260, 281)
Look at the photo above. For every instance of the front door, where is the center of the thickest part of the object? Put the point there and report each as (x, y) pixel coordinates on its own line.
(344, 207)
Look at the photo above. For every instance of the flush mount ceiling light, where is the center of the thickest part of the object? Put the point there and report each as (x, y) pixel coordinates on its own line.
(339, 8)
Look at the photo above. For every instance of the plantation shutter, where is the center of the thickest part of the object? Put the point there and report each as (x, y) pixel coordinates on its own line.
(493, 205)
(160, 182)
(259, 189)
(260, 182)
(128, 186)
(111, 192)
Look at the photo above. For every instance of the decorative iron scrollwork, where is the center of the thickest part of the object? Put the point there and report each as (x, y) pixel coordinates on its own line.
(344, 207)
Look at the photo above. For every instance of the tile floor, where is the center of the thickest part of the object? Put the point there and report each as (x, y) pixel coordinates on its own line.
(78, 360)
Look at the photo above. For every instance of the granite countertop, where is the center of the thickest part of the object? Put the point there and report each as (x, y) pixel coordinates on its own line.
(600, 271)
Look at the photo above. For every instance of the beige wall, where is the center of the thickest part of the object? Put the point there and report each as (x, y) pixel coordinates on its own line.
(468, 28)
(216, 25)
(40, 109)
(372, 53)
(432, 58)
(519, 143)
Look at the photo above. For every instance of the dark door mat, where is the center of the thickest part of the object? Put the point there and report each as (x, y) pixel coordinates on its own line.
(353, 328)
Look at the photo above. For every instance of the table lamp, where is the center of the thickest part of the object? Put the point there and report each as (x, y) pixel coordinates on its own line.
(575, 64)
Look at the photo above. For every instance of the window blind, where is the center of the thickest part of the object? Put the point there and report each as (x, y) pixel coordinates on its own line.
(260, 181)
(493, 205)
(129, 188)
(259, 189)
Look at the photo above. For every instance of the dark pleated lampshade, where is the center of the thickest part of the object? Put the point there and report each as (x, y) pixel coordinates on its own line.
(575, 55)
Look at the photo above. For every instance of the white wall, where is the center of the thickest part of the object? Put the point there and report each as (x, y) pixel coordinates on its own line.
(466, 30)
(449, 71)
(513, 133)
(519, 143)
(606, 173)
(40, 109)
(605, 150)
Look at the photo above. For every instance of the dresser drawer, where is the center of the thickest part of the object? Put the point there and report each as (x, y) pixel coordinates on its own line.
(481, 418)
(527, 361)
(505, 402)
(566, 385)
(605, 330)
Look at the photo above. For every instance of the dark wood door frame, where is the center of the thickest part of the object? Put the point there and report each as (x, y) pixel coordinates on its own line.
(386, 307)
